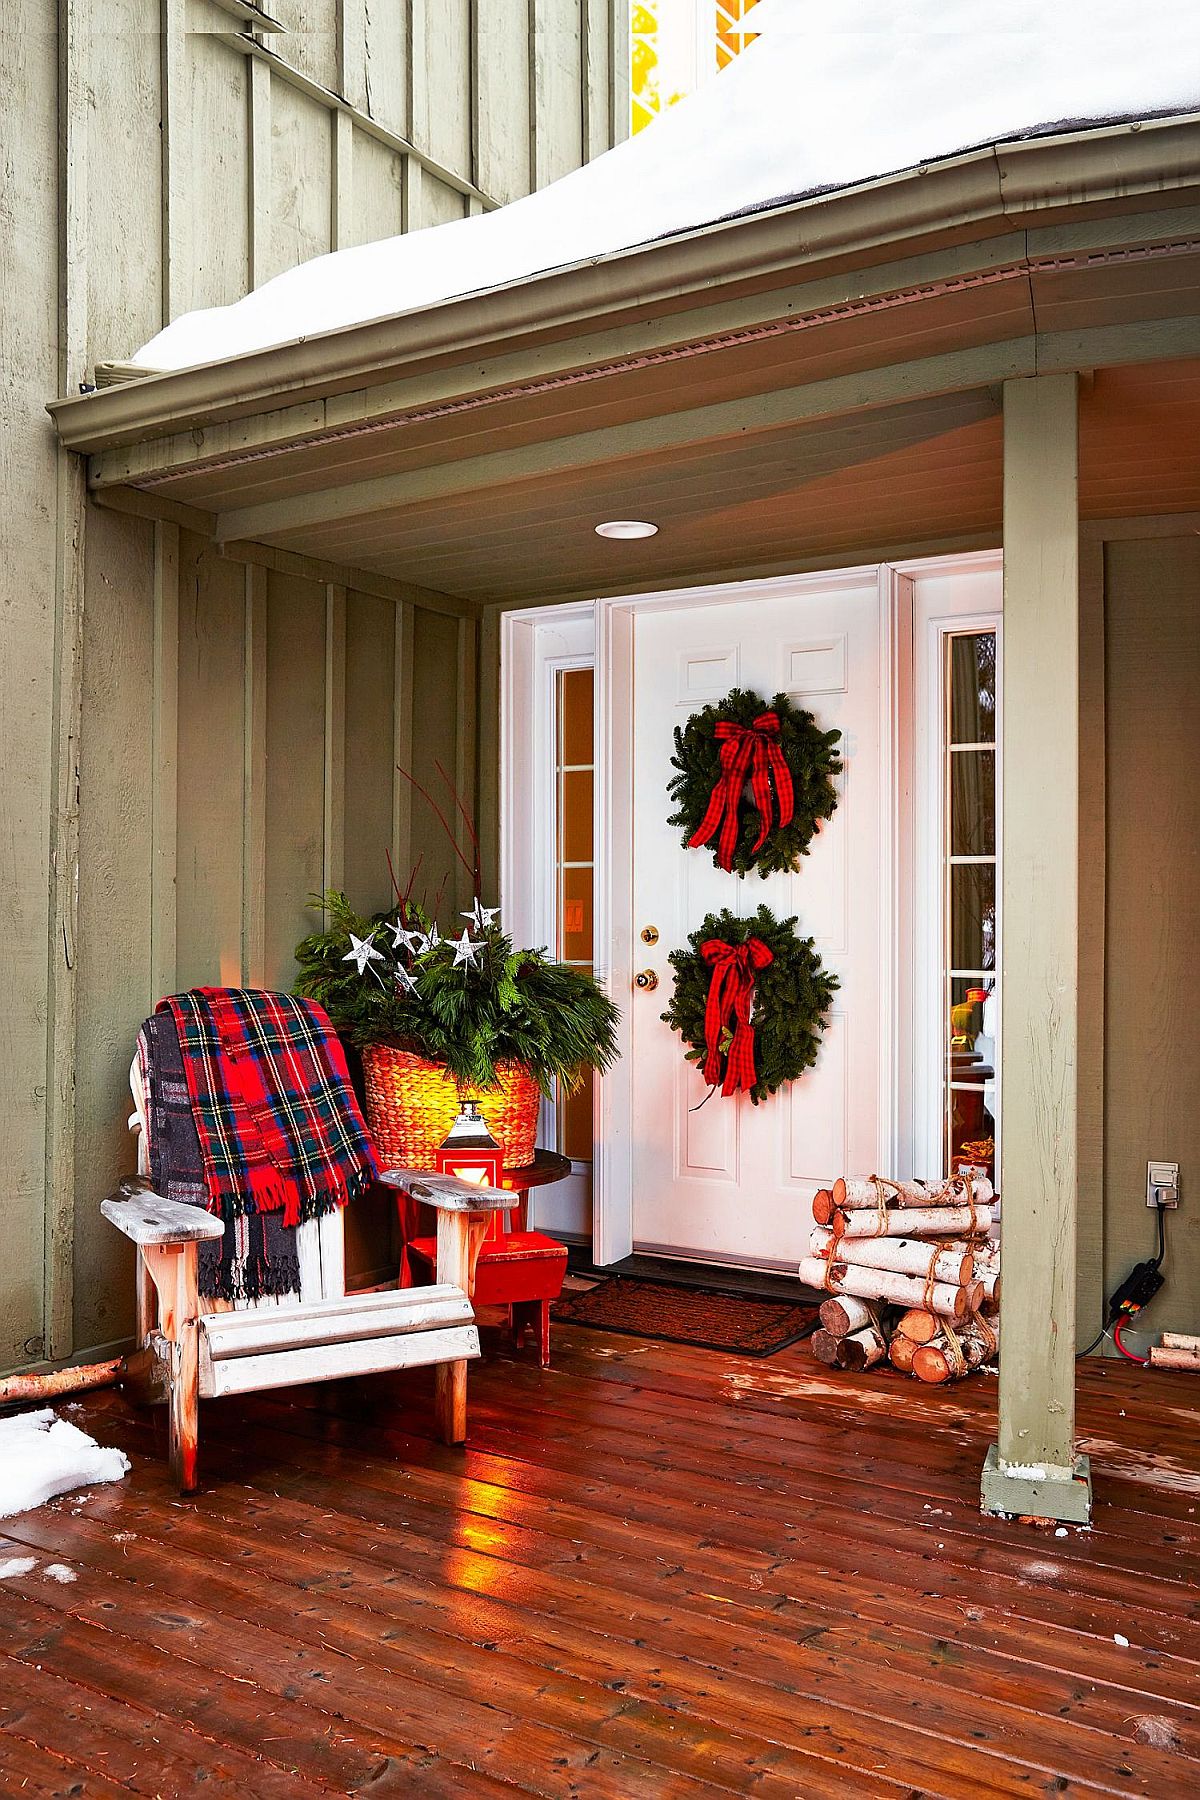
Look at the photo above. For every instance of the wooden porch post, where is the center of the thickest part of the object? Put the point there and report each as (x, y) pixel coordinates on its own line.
(1033, 1467)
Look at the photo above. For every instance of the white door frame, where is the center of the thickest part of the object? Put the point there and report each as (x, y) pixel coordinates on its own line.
(534, 643)
(950, 594)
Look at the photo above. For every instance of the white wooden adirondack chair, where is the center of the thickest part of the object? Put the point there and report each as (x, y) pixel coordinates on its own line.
(205, 1349)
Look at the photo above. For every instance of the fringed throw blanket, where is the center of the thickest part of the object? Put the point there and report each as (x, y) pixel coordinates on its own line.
(256, 1257)
(276, 1133)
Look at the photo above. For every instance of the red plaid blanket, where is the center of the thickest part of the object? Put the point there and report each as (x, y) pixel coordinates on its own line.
(280, 1128)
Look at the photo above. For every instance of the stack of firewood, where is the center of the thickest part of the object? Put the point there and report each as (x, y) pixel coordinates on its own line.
(913, 1274)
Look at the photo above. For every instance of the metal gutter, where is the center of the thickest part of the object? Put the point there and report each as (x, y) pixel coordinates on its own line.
(1039, 182)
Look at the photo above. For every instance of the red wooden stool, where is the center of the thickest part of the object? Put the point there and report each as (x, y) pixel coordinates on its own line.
(522, 1270)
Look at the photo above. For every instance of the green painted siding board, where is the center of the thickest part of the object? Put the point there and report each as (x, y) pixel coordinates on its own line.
(116, 775)
(209, 807)
(370, 638)
(1152, 1047)
(295, 796)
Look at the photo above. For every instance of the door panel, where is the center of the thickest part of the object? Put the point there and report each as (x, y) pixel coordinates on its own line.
(713, 1177)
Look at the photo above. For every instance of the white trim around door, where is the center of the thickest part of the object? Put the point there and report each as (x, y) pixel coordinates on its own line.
(918, 602)
(536, 644)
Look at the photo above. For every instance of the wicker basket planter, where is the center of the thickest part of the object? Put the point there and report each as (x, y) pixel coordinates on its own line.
(412, 1103)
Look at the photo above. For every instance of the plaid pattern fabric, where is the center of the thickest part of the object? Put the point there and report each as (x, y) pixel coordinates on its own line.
(727, 1009)
(280, 1128)
(257, 1257)
(746, 750)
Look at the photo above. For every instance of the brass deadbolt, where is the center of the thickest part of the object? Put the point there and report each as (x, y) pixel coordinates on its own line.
(649, 934)
(647, 981)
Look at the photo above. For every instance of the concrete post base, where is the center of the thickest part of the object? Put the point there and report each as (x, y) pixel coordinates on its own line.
(1049, 1493)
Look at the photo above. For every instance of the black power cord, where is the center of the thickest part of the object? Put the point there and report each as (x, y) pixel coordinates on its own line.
(1134, 1293)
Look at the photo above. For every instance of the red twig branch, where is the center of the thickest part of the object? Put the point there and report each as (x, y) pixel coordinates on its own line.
(400, 898)
(470, 825)
(412, 880)
(441, 817)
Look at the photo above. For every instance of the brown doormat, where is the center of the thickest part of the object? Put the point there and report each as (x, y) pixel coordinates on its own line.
(687, 1315)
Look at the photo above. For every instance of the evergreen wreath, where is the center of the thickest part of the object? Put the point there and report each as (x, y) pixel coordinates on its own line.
(705, 763)
(791, 1000)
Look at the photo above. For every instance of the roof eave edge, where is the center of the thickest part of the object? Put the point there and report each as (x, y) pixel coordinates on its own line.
(994, 187)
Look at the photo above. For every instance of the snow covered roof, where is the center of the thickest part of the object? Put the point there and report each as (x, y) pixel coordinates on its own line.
(834, 93)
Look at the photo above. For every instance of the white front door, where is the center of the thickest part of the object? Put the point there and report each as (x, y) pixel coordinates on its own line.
(728, 1181)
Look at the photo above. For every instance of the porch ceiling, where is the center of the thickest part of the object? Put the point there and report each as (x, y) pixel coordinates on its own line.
(804, 402)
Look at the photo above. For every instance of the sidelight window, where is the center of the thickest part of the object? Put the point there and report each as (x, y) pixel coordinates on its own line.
(970, 941)
(574, 870)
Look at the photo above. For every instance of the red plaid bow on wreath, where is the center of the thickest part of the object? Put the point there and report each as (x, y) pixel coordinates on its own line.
(730, 996)
(746, 750)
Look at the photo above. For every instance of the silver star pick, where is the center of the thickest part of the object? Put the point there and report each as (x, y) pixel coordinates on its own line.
(362, 952)
(402, 939)
(466, 950)
(404, 981)
(428, 940)
(481, 916)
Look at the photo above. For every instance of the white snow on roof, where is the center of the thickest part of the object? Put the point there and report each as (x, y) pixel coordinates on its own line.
(834, 93)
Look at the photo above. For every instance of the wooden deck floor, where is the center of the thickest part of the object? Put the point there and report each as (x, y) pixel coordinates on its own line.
(655, 1572)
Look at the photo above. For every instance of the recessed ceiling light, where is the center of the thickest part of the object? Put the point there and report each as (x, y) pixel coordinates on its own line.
(626, 528)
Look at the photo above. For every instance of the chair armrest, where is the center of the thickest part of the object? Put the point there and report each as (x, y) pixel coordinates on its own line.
(148, 1218)
(447, 1192)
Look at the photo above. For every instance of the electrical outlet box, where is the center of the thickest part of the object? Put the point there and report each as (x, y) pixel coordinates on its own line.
(1162, 1184)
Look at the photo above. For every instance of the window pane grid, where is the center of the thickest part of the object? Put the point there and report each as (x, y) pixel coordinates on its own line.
(970, 990)
(574, 877)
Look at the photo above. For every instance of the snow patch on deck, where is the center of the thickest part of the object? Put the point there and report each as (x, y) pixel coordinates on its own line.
(42, 1455)
(17, 1565)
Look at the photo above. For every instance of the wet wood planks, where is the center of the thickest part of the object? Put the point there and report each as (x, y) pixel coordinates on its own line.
(655, 1571)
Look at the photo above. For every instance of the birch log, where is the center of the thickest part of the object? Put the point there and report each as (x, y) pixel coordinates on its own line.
(855, 1350)
(823, 1206)
(901, 1351)
(908, 1256)
(916, 1221)
(885, 1284)
(840, 1315)
(861, 1349)
(852, 1192)
(20, 1389)
(946, 1360)
(1161, 1358)
(919, 1326)
(1180, 1340)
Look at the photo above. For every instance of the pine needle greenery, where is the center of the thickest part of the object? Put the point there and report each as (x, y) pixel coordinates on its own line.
(792, 997)
(812, 759)
(508, 1005)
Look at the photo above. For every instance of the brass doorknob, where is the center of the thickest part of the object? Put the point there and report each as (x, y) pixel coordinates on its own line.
(647, 980)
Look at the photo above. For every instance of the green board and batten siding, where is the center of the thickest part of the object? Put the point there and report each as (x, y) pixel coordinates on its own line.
(239, 723)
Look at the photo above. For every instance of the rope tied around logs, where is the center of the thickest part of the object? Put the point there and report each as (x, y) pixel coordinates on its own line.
(956, 1354)
(882, 1190)
(965, 1186)
(837, 1231)
(936, 1250)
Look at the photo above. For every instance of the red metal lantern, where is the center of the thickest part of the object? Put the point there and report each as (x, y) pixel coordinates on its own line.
(469, 1150)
